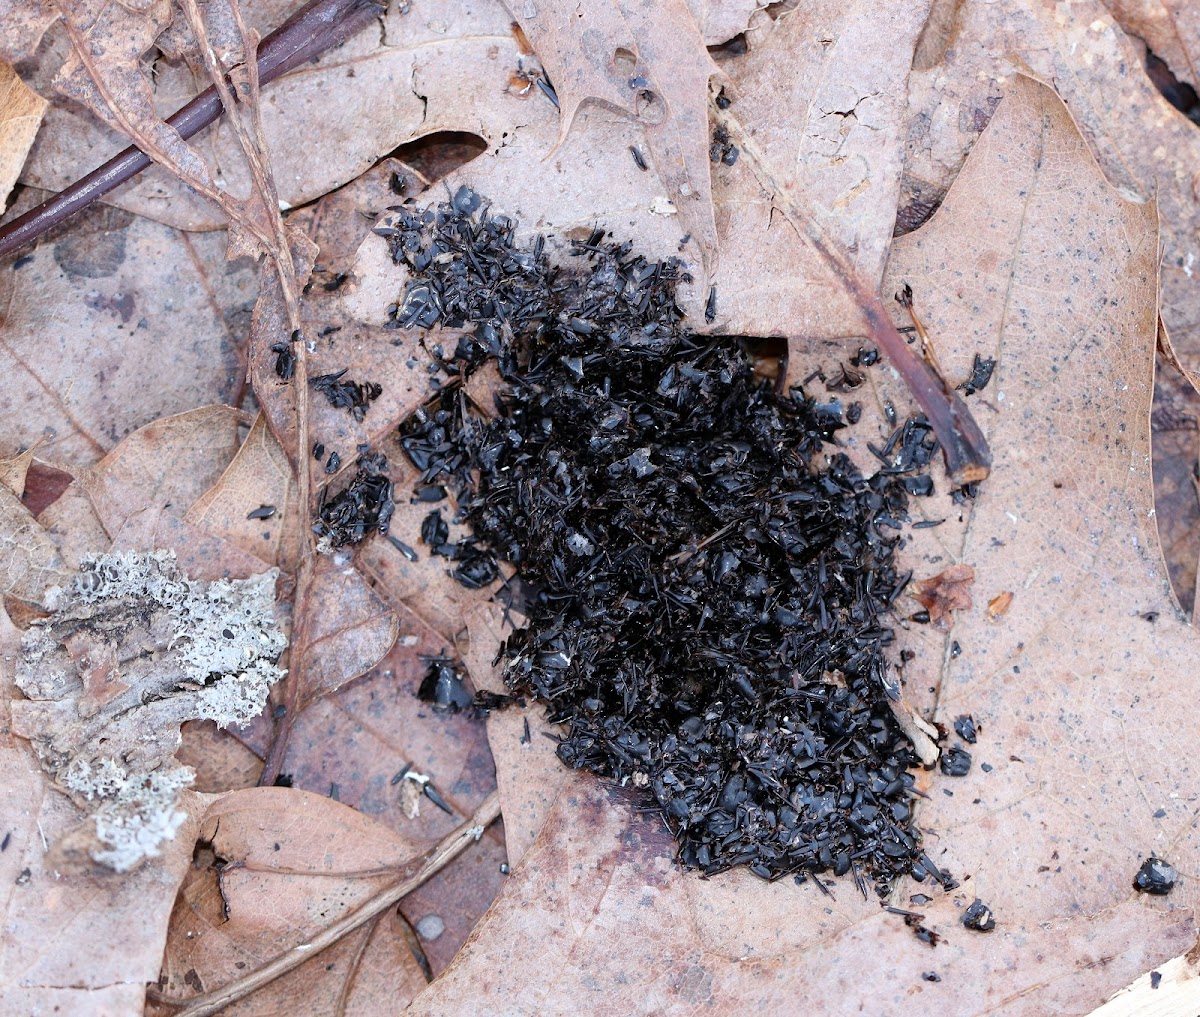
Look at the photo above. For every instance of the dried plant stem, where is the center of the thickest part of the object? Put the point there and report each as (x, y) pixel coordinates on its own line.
(964, 447)
(431, 863)
(253, 144)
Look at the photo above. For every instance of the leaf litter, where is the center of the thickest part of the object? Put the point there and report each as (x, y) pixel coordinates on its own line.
(690, 978)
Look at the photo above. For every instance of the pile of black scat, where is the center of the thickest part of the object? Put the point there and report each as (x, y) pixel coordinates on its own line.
(708, 579)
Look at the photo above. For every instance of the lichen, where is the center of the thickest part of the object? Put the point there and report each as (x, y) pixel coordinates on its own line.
(133, 649)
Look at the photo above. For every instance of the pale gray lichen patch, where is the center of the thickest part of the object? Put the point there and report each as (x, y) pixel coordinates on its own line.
(132, 650)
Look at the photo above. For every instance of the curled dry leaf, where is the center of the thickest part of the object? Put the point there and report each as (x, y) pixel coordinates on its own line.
(945, 593)
(998, 606)
(21, 112)
(1065, 522)
(130, 651)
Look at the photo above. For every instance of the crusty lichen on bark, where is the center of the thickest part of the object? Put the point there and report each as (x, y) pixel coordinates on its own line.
(130, 651)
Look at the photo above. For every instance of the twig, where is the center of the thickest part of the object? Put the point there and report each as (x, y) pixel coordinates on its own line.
(431, 863)
(964, 447)
(316, 27)
(237, 103)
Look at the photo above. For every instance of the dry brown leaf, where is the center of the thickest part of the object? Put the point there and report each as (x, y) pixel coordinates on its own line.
(824, 137)
(336, 226)
(344, 629)
(1060, 284)
(618, 930)
(165, 465)
(440, 66)
(649, 61)
(1171, 28)
(291, 863)
(1145, 146)
(529, 774)
(21, 112)
(29, 559)
(945, 593)
(258, 475)
(109, 325)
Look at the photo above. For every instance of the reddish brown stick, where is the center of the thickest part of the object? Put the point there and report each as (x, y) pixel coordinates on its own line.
(316, 27)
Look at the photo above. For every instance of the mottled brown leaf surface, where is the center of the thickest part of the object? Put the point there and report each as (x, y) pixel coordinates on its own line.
(21, 112)
(165, 465)
(291, 863)
(110, 324)
(1081, 741)
(1145, 146)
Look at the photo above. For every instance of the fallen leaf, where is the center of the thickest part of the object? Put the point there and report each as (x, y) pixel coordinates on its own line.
(29, 560)
(650, 62)
(168, 464)
(342, 630)
(998, 606)
(99, 334)
(259, 474)
(945, 593)
(21, 112)
(1146, 147)
(285, 864)
(617, 925)
(1169, 27)
(441, 67)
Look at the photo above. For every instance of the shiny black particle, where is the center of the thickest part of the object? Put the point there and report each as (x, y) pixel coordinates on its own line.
(355, 396)
(443, 686)
(964, 726)
(1157, 876)
(363, 507)
(978, 917)
(285, 361)
(638, 158)
(262, 512)
(334, 463)
(981, 374)
(956, 762)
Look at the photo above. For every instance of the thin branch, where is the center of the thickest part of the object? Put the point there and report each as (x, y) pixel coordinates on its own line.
(432, 863)
(316, 27)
